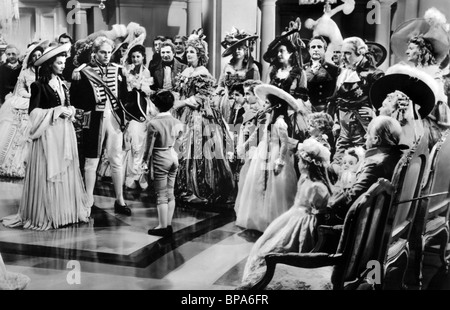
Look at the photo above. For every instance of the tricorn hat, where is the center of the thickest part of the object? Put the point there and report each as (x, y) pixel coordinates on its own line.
(419, 86)
(136, 106)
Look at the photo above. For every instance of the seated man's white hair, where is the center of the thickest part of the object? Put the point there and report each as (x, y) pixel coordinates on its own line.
(388, 129)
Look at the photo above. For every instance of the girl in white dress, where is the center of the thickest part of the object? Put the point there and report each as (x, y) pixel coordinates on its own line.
(138, 77)
(270, 184)
(295, 230)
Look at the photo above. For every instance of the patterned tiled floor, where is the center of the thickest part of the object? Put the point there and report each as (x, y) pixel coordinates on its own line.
(207, 251)
(115, 251)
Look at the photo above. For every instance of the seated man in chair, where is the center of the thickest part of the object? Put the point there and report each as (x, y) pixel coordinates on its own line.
(383, 152)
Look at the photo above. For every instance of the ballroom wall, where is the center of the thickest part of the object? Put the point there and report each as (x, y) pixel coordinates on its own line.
(47, 19)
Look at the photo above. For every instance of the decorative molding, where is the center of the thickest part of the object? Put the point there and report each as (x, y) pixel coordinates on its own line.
(37, 3)
(153, 3)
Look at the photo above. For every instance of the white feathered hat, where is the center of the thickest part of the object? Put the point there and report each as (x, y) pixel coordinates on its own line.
(418, 85)
(432, 27)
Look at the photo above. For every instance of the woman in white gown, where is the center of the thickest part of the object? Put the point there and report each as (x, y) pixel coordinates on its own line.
(138, 77)
(270, 184)
(14, 119)
(53, 194)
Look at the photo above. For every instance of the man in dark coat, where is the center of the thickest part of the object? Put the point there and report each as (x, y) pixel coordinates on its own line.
(350, 104)
(67, 73)
(382, 155)
(156, 59)
(180, 49)
(103, 118)
(321, 75)
(165, 72)
(9, 72)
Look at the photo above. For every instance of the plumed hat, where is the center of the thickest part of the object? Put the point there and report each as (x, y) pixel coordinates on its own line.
(418, 85)
(235, 38)
(197, 40)
(136, 35)
(433, 28)
(289, 38)
(51, 52)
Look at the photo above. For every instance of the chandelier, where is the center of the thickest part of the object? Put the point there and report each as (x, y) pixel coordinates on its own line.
(327, 6)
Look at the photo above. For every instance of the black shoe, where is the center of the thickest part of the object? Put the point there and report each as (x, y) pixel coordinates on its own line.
(122, 209)
(162, 232)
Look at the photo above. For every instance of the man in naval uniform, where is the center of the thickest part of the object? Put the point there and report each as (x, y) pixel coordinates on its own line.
(99, 87)
(321, 75)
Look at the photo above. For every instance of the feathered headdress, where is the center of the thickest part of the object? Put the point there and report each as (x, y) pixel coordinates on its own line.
(136, 36)
(197, 40)
(290, 36)
(433, 28)
(419, 86)
(198, 37)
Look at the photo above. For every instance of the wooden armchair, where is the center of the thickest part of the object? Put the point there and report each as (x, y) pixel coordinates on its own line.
(431, 222)
(356, 248)
(375, 231)
(394, 251)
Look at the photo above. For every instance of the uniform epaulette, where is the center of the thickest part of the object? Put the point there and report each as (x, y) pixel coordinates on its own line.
(76, 76)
